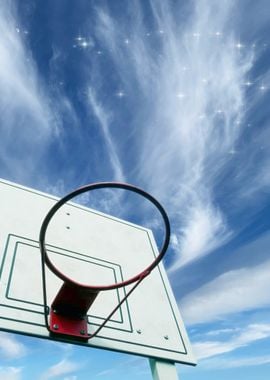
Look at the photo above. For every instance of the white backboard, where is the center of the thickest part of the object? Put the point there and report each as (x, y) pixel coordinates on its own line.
(148, 323)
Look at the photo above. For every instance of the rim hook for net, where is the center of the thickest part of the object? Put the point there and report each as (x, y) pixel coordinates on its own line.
(68, 311)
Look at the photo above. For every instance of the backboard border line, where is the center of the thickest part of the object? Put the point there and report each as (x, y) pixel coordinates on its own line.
(128, 317)
(156, 347)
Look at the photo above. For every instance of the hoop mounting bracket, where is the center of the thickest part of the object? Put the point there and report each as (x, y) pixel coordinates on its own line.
(68, 315)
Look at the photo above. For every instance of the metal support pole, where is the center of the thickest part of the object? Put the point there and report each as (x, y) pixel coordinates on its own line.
(163, 370)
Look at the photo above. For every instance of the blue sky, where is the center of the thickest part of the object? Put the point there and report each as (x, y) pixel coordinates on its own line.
(171, 96)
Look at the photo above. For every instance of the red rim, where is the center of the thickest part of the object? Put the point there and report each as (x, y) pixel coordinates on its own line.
(95, 186)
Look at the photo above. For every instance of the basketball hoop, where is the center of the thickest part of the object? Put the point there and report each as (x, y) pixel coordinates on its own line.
(68, 313)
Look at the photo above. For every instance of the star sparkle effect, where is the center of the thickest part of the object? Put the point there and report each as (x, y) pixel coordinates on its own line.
(181, 95)
(120, 94)
(263, 88)
(239, 45)
(83, 42)
(18, 30)
(220, 113)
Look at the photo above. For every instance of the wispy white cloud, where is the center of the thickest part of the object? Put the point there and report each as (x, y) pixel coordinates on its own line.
(136, 365)
(190, 80)
(27, 120)
(65, 368)
(232, 292)
(253, 180)
(60, 369)
(199, 107)
(104, 121)
(54, 346)
(248, 335)
(11, 347)
(106, 372)
(204, 230)
(10, 373)
(222, 363)
(222, 331)
(57, 189)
